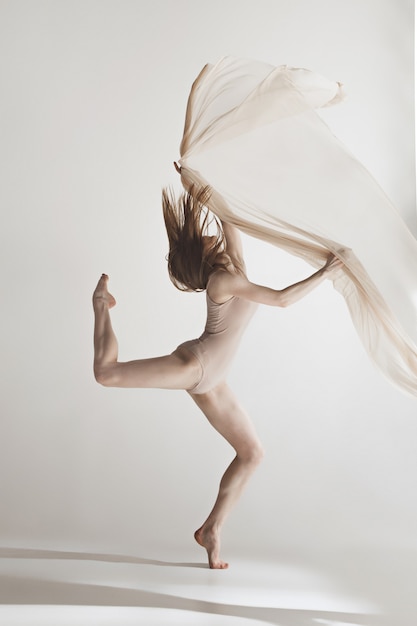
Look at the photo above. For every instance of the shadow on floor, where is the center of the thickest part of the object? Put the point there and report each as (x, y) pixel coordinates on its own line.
(29, 553)
(16, 590)
(25, 590)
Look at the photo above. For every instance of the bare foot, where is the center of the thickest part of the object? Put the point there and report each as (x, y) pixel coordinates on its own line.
(101, 294)
(210, 540)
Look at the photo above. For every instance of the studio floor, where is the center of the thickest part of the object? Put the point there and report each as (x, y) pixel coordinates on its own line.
(68, 588)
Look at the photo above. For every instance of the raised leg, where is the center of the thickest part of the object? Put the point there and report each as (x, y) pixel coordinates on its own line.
(179, 370)
(224, 413)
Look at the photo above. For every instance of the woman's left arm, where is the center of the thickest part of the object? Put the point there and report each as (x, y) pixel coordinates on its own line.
(242, 288)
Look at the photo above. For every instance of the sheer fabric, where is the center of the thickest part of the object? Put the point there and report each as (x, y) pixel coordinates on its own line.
(279, 174)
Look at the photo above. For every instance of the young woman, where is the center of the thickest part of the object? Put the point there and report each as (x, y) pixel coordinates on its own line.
(198, 261)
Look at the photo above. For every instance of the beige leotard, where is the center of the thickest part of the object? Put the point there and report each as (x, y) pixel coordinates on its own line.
(217, 345)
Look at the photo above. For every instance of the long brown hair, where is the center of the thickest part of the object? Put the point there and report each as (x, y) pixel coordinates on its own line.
(187, 220)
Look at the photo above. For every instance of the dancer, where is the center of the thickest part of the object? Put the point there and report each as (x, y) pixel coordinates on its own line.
(257, 155)
(199, 261)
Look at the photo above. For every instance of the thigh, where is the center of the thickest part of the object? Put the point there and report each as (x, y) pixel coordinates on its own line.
(179, 370)
(228, 417)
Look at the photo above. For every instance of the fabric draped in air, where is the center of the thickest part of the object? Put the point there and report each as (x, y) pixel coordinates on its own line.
(278, 173)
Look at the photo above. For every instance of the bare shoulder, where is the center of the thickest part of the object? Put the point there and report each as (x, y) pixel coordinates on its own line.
(223, 283)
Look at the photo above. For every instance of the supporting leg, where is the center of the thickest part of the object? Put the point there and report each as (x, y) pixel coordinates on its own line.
(179, 370)
(226, 415)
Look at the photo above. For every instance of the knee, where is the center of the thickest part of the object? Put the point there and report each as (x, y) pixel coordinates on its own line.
(253, 455)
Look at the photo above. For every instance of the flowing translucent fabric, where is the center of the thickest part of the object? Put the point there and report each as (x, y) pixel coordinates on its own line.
(279, 174)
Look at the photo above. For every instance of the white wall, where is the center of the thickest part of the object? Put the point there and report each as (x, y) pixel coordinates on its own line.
(92, 109)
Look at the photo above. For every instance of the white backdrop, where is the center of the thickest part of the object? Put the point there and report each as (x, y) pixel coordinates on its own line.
(92, 109)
